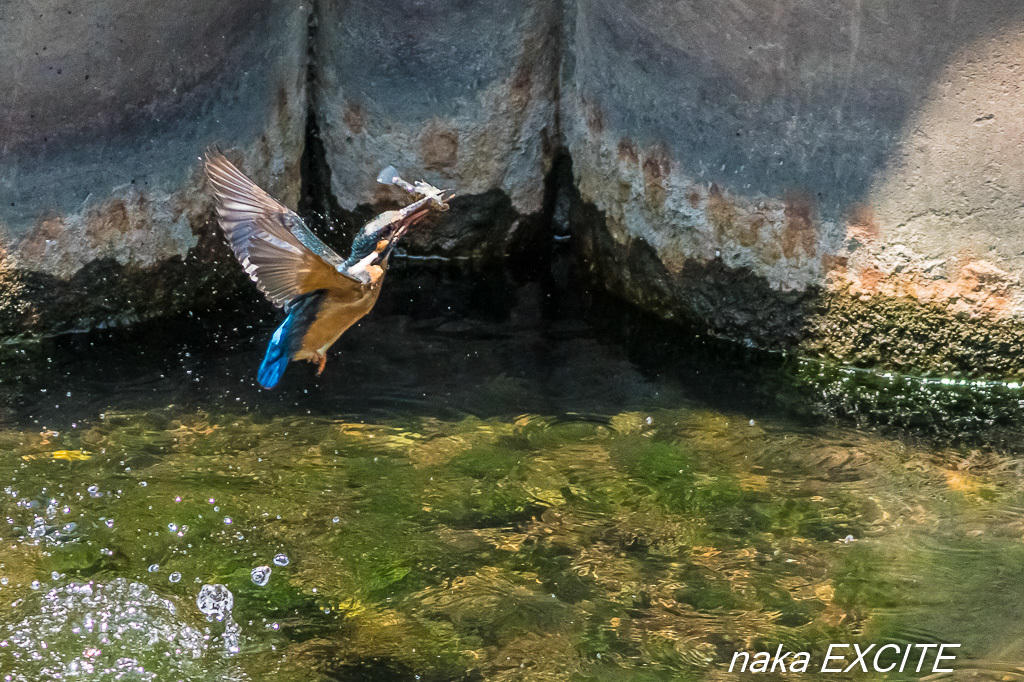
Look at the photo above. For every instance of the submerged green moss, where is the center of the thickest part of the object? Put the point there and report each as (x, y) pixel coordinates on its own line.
(622, 548)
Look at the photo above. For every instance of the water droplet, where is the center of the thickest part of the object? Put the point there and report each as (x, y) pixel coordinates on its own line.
(281, 560)
(335, 519)
(215, 601)
(54, 575)
(34, 585)
(153, 568)
(174, 577)
(172, 527)
(260, 575)
(227, 520)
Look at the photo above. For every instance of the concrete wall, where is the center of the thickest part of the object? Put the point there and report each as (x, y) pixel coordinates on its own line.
(104, 108)
(461, 93)
(777, 169)
(844, 178)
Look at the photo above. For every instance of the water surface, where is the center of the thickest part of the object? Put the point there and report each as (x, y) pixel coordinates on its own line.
(487, 483)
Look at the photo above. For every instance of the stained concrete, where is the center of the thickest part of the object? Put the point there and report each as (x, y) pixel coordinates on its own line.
(104, 110)
(462, 94)
(857, 149)
(776, 171)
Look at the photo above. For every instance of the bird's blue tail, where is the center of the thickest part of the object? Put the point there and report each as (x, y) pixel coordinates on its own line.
(287, 340)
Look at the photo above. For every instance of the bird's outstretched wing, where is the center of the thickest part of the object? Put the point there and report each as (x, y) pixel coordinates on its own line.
(275, 247)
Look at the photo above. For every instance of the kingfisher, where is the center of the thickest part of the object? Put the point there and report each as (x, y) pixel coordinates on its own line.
(322, 293)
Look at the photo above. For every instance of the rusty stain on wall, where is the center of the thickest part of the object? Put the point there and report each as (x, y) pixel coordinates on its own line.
(439, 147)
(799, 233)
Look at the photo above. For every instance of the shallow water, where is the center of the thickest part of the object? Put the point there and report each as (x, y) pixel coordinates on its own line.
(487, 483)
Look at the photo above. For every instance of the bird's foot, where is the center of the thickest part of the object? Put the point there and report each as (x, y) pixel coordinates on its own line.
(321, 361)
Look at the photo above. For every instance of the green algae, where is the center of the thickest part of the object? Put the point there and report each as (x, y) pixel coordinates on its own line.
(449, 548)
(544, 507)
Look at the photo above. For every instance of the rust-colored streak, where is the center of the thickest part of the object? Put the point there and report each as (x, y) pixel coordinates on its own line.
(728, 223)
(107, 222)
(721, 214)
(627, 151)
(522, 83)
(984, 286)
(693, 196)
(50, 228)
(354, 117)
(871, 278)
(830, 263)
(798, 233)
(439, 147)
(656, 168)
(594, 116)
(862, 224)
(751, 233)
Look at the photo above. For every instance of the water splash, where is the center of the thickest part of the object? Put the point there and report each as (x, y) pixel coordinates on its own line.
(215, 602)
(116, 631)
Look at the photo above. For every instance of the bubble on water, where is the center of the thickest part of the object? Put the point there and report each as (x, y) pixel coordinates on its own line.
(3, 581)
(281, 560)
(153, 568)
(174, 577)
(335, 519)
(260, 575)
(34, 585)
(54, 575)
(94, 491)
(114, 631)
(227, 520)
(215, 601)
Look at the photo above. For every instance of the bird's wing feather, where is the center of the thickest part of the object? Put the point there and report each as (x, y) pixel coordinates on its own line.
(277, 250)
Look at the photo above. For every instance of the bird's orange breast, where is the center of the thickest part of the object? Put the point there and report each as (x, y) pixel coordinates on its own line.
(337, 313)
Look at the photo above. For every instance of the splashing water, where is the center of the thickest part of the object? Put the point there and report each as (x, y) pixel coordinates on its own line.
(216, 602)
(116, 631)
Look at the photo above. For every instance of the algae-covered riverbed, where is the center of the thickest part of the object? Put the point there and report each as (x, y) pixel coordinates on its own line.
(485, 484)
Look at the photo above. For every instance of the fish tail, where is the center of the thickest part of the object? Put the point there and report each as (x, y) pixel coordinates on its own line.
(287, 339)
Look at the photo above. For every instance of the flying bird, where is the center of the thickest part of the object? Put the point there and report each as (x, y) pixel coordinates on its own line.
(322, 293)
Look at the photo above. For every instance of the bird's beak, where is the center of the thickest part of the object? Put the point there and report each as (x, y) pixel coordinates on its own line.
(408, 221)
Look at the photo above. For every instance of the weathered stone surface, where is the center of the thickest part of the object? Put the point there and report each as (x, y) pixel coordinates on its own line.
(837, 158)
(841, 177)
(461, 94)
(104, 109)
